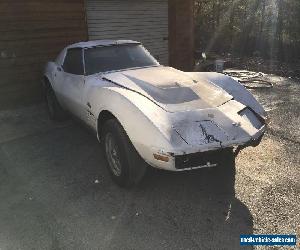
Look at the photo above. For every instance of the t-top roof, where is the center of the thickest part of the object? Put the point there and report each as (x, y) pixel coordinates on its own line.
(95, 43)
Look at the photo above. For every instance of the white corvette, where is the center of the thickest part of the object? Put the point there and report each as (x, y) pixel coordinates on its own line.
(148, 114)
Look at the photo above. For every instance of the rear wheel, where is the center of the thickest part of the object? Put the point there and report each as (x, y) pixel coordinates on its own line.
(54, 109)
(125, 165)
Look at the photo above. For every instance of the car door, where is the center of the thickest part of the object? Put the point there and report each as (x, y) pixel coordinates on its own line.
(70, 82)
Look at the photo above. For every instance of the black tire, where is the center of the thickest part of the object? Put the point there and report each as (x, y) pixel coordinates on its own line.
(125, 165)
(223, 175)
(226, 166)
(55, 111)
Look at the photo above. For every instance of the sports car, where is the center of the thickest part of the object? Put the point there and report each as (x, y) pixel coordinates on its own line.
(146, 114)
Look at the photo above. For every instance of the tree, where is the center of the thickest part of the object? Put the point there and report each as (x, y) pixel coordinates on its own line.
(269, 28)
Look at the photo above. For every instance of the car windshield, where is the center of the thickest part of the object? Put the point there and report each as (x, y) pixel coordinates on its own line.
(117, 57)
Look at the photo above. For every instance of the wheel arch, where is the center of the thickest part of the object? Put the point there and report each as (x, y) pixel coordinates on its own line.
(135, 115)
(116, 105)
(46, 82)
(103, 117)
(233, 87)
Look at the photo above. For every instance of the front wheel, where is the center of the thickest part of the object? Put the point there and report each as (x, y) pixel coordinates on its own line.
(124, 163)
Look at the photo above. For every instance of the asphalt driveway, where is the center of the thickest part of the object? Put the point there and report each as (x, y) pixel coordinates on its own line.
(55, 191)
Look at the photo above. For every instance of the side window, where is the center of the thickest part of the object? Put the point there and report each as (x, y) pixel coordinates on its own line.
(73, 62)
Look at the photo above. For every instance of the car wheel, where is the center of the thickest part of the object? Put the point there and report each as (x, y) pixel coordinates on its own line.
(54, 109)
(125, 165)
(226, 166)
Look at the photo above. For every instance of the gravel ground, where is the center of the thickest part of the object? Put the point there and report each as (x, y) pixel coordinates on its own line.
(268, 177)
(55, 191)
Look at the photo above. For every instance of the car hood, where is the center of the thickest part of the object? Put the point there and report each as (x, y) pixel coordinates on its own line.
(171, 89)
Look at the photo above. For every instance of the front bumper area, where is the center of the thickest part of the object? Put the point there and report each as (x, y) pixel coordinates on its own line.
(195, 159)
(200, 160)
(187, 153)
(210, 158)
